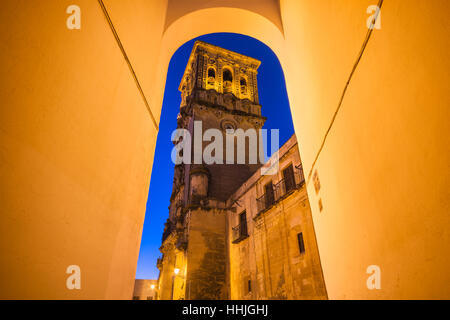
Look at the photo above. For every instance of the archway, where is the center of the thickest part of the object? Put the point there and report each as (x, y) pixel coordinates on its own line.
(274, 106)
(77, 143)
(214, 20)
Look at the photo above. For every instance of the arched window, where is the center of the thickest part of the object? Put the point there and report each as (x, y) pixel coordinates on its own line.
(227, 76)
(243, 84)
(227, 81)
(211, 76)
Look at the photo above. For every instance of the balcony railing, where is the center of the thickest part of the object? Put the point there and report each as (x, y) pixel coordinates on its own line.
(281, 189)
(265, 201)
(239, 233)
(169, 227)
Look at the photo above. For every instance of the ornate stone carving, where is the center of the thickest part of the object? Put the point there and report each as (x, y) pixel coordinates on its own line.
(238, 119)
(228, 124)
(218, 113)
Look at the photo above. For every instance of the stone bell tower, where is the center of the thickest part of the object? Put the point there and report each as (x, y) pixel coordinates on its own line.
(218, 91)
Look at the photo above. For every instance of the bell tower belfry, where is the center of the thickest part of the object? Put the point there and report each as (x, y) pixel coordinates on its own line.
(218, 91)
(213, 68)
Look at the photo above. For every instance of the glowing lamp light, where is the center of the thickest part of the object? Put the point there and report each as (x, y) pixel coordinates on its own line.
(176, 271)
(152, 286)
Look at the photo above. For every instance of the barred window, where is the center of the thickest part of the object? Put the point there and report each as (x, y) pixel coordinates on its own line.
(301, 243)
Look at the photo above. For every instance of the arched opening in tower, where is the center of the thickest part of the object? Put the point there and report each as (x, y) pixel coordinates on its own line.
(228, 83)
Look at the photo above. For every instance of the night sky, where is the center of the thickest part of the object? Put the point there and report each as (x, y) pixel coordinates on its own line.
(275, 106)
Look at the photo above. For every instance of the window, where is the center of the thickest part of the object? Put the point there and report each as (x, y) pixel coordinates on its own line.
(246, 285)
(289, 180)
(227, 81)
(211, 76)
(240, 232)
(301, 243)
(243, 86)
(243, 224)
(270, 196)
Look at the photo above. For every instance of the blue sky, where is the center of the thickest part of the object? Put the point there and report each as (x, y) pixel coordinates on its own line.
(275, 106)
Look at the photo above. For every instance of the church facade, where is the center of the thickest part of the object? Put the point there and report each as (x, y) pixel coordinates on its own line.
(233, 232)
